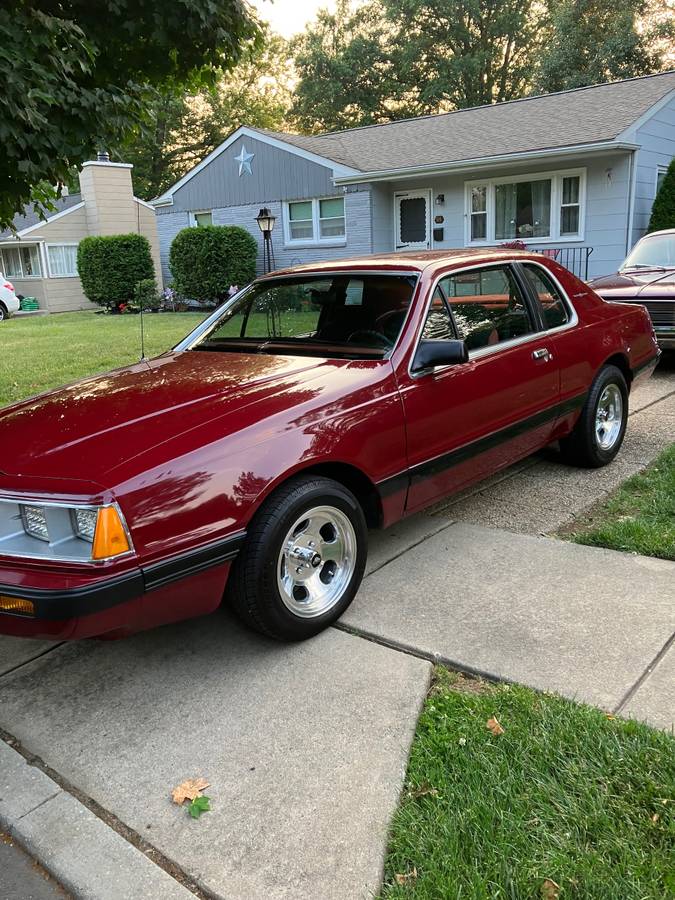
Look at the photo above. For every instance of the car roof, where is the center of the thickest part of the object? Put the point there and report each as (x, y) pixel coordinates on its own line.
(412, 260)
(654, 233)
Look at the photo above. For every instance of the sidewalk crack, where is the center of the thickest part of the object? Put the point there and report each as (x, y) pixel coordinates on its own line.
(632, 691)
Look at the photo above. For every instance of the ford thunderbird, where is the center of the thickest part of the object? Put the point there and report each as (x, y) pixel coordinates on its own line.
(247, 464)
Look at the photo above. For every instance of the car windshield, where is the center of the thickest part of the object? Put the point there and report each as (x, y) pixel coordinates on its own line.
(353, 316)
(653, 252)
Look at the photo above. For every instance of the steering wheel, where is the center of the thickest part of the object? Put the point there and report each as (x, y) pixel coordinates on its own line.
(372, 335)
(390, 323)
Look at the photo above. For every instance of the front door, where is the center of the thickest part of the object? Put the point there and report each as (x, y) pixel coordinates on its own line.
(412, 212)
(469, 420)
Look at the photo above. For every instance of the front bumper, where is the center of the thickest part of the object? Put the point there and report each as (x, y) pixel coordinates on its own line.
(186, 585)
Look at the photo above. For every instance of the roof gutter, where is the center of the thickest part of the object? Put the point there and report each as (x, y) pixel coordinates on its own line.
(483, 162)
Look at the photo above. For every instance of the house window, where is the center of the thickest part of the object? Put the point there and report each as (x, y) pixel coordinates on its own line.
(570, 207)
(532, 208)
(660, 175)
(315, 221)
(332, 218)
(202, 218)
(62, 260)
(478, 212)
(21, 262)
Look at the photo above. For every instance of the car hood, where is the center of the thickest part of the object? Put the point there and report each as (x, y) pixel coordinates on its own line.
(634, 284)
(86, 430)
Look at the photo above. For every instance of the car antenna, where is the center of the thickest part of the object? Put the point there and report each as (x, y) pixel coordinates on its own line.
(142, 329)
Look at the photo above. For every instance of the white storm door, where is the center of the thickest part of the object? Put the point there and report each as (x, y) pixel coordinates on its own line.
(412, 212)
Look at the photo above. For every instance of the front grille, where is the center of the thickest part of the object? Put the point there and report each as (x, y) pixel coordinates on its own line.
(662, 312)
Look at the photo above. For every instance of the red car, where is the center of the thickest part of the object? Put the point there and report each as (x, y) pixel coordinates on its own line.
(250, 461)
(647, 276)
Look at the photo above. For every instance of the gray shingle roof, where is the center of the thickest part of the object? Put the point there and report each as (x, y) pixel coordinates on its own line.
(579, 116)
(32, 218)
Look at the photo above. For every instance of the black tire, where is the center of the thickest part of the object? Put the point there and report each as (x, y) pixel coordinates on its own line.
(582, 446)
(3, 312)
(253, 589)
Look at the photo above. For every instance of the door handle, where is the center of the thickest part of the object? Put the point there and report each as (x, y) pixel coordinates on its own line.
(542, 353)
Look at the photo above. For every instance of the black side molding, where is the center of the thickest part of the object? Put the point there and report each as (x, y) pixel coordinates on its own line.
(192, 562)
(73, 602)
(439, 464)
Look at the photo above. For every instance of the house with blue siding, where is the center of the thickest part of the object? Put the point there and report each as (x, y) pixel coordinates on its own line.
(572, 174)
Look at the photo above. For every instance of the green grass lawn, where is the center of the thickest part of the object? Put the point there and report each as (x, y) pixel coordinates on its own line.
(41, 352)
(639, 517)
(566, 795)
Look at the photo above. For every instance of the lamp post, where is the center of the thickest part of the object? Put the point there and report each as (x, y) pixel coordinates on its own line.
(266, 221)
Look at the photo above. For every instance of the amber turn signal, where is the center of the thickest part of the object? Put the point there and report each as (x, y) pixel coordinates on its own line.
(110, 537)
(16, 605)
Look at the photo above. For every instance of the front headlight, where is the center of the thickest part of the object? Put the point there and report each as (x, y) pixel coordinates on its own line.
(60, 531)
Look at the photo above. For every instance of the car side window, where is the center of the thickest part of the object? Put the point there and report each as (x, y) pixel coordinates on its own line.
(553, 310)
(439, 325)
(488, 306)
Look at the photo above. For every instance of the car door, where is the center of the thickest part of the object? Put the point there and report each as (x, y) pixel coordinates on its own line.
(468, 420)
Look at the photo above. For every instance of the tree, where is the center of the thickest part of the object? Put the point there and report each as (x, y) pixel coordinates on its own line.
(466, 53)
(391, 59)
(593, 41)
(663, 210)
(345, 72)
(76, 75)
(179, 129)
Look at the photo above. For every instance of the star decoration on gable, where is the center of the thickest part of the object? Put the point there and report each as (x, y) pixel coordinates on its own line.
(244, 160)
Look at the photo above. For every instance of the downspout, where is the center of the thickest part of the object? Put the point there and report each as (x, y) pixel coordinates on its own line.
(632, 181)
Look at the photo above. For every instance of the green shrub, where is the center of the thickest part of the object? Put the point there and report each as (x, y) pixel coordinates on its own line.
(663, 210)
(110, 267)
(206, 261)
(146, 294)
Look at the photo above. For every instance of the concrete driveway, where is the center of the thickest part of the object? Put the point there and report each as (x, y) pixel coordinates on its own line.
(305, 746)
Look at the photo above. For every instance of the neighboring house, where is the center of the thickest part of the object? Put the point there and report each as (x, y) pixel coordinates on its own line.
(40, 259)
(572, 173)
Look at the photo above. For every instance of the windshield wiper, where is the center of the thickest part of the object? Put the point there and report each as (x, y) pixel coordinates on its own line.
(645, 266)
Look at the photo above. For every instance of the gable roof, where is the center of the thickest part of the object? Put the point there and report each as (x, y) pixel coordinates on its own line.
(576, 117)
(32, 218)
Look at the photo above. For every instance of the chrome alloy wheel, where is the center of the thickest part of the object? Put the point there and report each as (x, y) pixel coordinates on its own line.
(317, 561)
(609, 417)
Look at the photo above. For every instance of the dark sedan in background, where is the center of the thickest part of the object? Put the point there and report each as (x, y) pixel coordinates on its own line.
(648, 277)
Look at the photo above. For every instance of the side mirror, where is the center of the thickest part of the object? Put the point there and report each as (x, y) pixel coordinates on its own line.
(439, 353)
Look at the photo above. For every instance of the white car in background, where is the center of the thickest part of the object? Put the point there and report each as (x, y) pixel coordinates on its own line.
(9, 302)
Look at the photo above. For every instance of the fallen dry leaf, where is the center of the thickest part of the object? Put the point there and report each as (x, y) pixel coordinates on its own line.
(424, 790)
(409, 876)
(655, 818)
(189, 790)
(494, 726)
(550, 890)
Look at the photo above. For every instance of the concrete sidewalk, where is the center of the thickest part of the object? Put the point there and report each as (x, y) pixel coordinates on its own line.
(592, 624)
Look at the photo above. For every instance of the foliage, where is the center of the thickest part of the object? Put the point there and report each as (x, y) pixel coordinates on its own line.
(179, 129)
(76, 76)
(205, 261)
(390, 59)
(146, 294)
(559, 794)
(345, 71)
(42, 352)
(199, 805)
(110, 267)
(640, 516)
(593, 41)
(663, 210)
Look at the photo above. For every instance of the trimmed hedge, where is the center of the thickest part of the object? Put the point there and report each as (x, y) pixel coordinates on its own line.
(207, 260)
(663, 210)
(110, 267)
